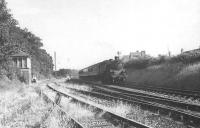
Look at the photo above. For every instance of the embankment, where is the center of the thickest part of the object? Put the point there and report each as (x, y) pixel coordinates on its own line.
(7, 84)
(173, 75)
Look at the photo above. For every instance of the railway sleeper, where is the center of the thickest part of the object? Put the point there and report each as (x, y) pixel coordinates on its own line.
(190, 121)
(187, 120)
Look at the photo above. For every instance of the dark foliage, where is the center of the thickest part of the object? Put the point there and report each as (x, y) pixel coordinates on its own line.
(187, 57)
(65, 72)
(137, 63)
(13, 39)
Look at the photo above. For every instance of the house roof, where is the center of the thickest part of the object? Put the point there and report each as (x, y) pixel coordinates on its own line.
(194, 50)
(20, 54)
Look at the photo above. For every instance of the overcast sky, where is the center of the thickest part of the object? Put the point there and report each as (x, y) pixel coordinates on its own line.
(83, 32)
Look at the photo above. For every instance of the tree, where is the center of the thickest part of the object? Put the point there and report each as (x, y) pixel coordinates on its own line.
(14, 39)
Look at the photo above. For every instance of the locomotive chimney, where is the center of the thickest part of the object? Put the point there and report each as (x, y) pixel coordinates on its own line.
(116, 58)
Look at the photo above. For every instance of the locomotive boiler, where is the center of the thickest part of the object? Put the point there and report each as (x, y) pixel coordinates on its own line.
(108, 71)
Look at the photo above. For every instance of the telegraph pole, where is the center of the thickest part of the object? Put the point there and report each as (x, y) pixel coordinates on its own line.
(55, 60)
(118, 53)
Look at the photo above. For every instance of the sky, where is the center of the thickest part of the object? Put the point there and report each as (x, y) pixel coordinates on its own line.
(84, 32)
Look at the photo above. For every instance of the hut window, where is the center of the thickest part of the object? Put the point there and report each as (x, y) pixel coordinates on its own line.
(25, 62)
(15, 62)
(20, 62)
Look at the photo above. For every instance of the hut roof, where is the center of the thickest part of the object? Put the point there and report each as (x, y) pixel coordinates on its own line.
(20, 54)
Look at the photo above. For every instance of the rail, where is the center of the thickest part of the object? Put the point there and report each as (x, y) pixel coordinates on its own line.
(189, 118)
(126, 122)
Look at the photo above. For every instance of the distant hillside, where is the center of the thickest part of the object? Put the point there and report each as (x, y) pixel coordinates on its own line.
(14, 39)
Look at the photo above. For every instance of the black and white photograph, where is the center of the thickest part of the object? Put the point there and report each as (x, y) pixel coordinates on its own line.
(99, 63)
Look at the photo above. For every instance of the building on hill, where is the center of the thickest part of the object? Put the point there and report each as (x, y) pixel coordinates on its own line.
(194, 51)
(135, 55)
(22, 61)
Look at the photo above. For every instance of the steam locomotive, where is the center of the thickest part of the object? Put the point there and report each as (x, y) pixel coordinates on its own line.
(108, 71)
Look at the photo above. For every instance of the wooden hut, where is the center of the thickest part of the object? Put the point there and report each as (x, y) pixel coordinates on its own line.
(22, 61)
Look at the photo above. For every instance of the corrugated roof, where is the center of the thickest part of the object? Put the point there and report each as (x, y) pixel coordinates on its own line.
(20, 53)
(193, 50)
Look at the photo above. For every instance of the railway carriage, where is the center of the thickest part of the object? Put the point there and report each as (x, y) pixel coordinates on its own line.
(108, 71)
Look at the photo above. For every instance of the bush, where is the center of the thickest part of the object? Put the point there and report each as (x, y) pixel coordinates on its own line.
(137, 63)
(187, 57)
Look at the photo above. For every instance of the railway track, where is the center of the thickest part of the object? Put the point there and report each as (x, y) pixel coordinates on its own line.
(131, 93)
(92, 123)
(168, 91)
(113, 117)
(195, 108)
(178, 110)
(142, 94)
(148, 87)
